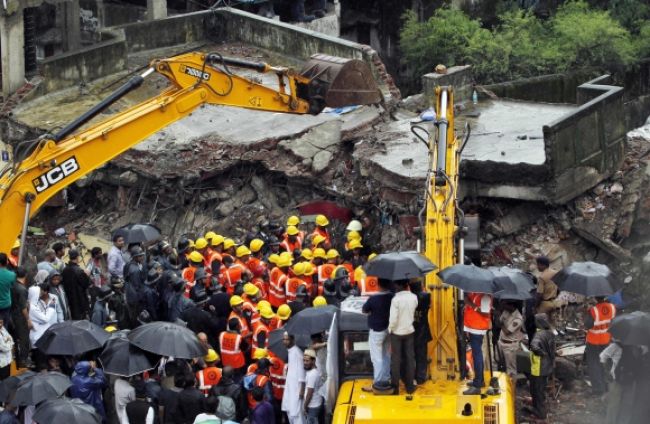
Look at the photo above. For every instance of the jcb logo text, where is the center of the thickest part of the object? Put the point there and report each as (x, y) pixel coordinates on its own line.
(55, 175)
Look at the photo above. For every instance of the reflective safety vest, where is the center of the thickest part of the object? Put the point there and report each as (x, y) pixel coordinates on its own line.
(275, 323)
(207, 378)
(229, 278)
(231, 353)
(277, 294)
(278, 376)
(254, 313)
(188, 274)
(256, 266)
(317, 231)
(369, 285)
(215, 256)
(244, 329)
(324, 272)
(473, 319)
(292, 287)
(260, 381)
(602, 313)
(259, 329)
(263, 286)
(290, 247)
(13, 260)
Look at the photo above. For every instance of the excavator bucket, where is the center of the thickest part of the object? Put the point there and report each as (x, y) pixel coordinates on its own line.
(338, 82)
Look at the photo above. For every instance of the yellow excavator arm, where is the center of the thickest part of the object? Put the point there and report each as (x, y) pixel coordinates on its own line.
(196, 79)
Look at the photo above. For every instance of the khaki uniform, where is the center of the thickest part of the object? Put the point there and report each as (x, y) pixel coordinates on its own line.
(510, 336)
(548, 291)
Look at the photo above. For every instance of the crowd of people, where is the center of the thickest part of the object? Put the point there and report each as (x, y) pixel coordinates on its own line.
(232, 295)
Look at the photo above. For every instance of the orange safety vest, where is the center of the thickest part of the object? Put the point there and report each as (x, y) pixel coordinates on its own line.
(602, 313)
(255, 315)
(229, 278)
(369, 285)
(208, 377)
(290, 247)
(13, 260)
(278, 376)
(251, 368)
(475, 319)
(256, 266)
(277, 295)
(244, 329)
(275, 323)
(324, 272)
(292, 288)
(215, 256)
(231, 353)
(260, 381)
(263, 286)
(350, 268)
(188, 274)
(260, 328)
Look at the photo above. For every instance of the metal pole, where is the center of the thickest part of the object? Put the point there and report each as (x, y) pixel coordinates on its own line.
(462, 345)
(442, 137)
(29, 198)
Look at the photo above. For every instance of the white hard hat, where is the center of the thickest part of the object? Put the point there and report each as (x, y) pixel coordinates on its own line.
(354, 225)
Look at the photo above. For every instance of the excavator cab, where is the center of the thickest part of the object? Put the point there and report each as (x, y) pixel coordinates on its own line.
(336, 82)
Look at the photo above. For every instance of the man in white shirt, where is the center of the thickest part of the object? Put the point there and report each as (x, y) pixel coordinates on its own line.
(313, 403)
(124, 393)
(294, 386)
(115, 258)
(401, 330)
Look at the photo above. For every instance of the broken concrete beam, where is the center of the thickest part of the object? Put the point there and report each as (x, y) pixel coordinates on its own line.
(607, 245)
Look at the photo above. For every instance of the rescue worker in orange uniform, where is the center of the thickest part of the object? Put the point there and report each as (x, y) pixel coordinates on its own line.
(210, 375)
(597, 323)
(284, 313)
(229, 247)
(291, 240)
(295, 221)
(201, 246)
(321, 228)
(251, 296)
(255, 263)
(215, 259)
(241, 315)
(323, 270)
(477, 321)
(260, 378)
(356, 259)
(278, 374)
(230, 275)
(277, 294)
(292, 284)
(196, 262)
(257, 354)
(319, 242)
(233, 347)
(306, 254)
(13, 255)
(367, 285)
(261, 332)
(311, 280)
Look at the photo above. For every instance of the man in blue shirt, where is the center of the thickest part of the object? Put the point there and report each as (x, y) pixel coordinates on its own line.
(7, 279)
(377, 307)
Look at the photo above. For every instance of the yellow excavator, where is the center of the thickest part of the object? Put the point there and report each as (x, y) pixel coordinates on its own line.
(440, 399)
(46, 166)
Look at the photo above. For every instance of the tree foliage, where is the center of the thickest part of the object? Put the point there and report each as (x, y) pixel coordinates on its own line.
(521, 45)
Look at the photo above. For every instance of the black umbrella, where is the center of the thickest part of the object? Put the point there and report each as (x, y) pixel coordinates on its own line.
(512, 295)
(167, 339)
(139, 233)
(10, 384)
(469, 278)
(40, 387)
(72, 338)
(586, 278)
(311, 320)
(632, 328)
(66, 410)
(511, 279)
(276, 345)
(120, 357)
(399, 266)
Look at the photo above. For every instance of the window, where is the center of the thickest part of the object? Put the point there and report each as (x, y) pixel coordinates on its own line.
(356, 353)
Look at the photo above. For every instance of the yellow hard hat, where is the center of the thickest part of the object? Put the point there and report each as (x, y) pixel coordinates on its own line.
(256, 245)
(273, 258)
(286, 259)
(263, 304)
(210, 235)
(355, 244)
(306, 253)
(190, 243)
(284, 312)
(242, 251)
(16, 245)
(322, 221)
(201, 243)
(251, 289)
(309, 269)
(196, 257)
(236, 300)
(299, 268)
(319, 301)
(293, 220)
(110, 328)
(354, 235)
(359, 273)
(292, 230)
(266, 313)
(318, 239)
(332, 254)
(217, 240)
(260, 353)
(212, 356)
(228, 243)
(372, 256)
(320, 253)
